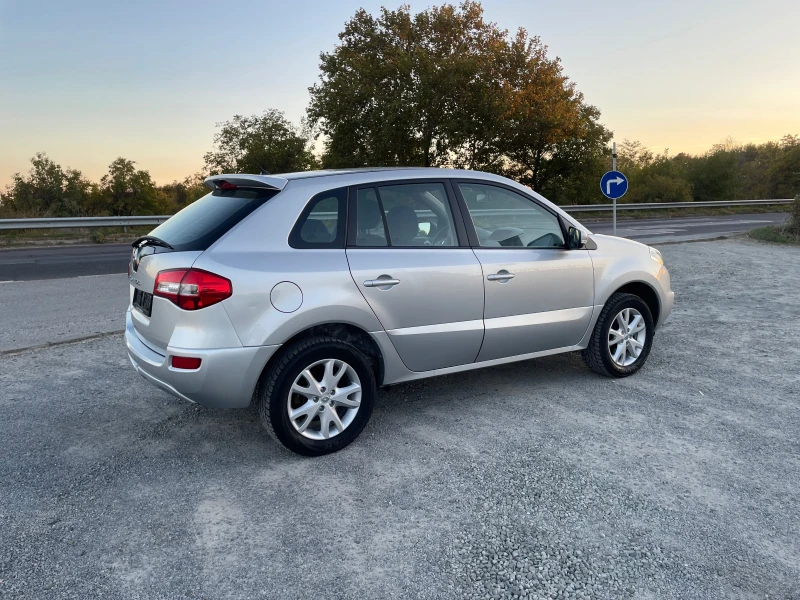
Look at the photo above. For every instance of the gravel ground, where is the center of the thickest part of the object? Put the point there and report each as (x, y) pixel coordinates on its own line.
(56, 310)
(533, 480)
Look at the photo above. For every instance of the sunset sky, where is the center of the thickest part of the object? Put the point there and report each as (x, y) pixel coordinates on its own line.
(90, 80)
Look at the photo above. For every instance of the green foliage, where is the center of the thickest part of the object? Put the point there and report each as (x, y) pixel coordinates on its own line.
(653, 177)
(729, 171)
(269, 141)
(48, 191)
(775, 234)
(446, 88)
(180, 194)
(126, 190)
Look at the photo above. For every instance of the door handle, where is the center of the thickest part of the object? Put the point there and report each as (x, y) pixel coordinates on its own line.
(501, 276)
(381, 283)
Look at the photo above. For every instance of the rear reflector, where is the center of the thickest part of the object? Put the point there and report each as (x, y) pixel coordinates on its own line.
(186, 362)
(192, 289)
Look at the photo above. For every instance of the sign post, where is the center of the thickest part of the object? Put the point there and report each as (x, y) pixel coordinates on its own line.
(614, 168)
(614, 184)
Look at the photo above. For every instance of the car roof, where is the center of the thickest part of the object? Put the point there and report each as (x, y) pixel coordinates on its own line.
(353, 171)
(367, 175)
(353, 176)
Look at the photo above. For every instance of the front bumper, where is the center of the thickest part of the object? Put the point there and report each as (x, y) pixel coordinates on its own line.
(226, 378)
(667, 298)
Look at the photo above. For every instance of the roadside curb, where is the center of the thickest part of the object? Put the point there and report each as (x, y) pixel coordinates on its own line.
(74, 340)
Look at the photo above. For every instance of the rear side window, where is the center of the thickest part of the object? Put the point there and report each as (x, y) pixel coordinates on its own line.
(203, 222)
(322, 223)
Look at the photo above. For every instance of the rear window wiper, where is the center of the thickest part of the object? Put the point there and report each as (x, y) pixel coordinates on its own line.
(150, 240)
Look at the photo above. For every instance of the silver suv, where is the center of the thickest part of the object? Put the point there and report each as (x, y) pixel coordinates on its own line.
(304, 292)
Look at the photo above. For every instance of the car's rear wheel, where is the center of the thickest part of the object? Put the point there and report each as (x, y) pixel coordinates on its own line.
(622, 337)
(317, 396)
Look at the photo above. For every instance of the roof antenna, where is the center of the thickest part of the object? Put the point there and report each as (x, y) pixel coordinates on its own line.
(263, 170)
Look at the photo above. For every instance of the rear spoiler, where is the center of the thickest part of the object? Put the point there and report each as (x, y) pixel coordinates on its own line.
(264, 182)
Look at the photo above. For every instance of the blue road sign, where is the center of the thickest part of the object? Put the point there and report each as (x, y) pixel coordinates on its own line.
(614, 185)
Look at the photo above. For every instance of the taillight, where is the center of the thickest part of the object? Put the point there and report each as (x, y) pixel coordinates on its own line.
(192, 289)
(227, 186)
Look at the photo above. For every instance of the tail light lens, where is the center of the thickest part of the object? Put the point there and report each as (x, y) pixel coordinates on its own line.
(192, 289)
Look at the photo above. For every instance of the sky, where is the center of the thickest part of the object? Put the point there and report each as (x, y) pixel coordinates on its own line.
(87, 81)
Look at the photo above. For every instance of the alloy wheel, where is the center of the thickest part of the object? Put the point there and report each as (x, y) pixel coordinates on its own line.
(324, 399)
(626, 337)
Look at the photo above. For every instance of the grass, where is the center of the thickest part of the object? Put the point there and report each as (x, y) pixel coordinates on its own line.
(776, 235)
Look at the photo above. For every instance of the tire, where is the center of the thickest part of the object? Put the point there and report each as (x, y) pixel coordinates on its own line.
(274, 400)
(598, 354)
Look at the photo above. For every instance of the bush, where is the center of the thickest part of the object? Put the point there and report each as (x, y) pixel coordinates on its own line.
(97, 237)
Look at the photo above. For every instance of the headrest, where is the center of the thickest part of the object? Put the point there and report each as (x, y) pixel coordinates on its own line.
(403, 224)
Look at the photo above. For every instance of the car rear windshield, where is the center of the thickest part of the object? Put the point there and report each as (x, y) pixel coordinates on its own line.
(203, 222)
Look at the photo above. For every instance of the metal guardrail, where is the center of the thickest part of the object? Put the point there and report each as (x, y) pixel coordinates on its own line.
(78, 222)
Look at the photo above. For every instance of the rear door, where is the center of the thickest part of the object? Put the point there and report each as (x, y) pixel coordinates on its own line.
(410, 258)
(176, 244)
(539, 294)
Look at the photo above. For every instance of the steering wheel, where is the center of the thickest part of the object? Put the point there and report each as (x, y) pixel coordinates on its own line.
(440, 239)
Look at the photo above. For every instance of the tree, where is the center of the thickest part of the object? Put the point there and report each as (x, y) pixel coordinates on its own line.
(126, 190)
(653, 177)
(578, 162)
(411, 90)
(47, 191)
(269, 141)
(179, 194)
(37, 194)
(547, 120)
(446, 88)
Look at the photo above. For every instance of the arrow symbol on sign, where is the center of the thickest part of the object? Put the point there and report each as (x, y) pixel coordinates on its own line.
(618, 180)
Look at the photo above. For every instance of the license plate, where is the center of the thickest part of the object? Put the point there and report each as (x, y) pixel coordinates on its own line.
(143, 301)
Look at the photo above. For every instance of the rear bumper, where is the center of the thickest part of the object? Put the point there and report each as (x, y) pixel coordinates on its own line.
(226, 378)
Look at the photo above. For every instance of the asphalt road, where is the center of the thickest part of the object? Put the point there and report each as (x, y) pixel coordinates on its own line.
(533, 480)
(56, 262)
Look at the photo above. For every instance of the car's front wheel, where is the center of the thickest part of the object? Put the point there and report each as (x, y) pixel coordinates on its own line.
(317, 396)
(622, 337)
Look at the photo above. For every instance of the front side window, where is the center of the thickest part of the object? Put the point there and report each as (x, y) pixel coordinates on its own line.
(322, 223)
(416, 215)
(503, 218)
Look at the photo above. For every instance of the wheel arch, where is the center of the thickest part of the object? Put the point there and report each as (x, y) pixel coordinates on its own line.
(346, 332)
(646, 292)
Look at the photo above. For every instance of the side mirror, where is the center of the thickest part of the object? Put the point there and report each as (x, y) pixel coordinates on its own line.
(575, 238)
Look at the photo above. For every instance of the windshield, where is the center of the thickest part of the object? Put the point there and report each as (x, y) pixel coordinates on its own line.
(203, 222)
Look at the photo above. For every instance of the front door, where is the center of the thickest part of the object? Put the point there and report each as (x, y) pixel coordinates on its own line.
(539, 294)
(424, 287)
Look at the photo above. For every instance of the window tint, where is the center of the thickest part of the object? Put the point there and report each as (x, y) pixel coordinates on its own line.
(321, 225)
(418, 214)
(369, 220)
(203, 222)
(505, 218)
